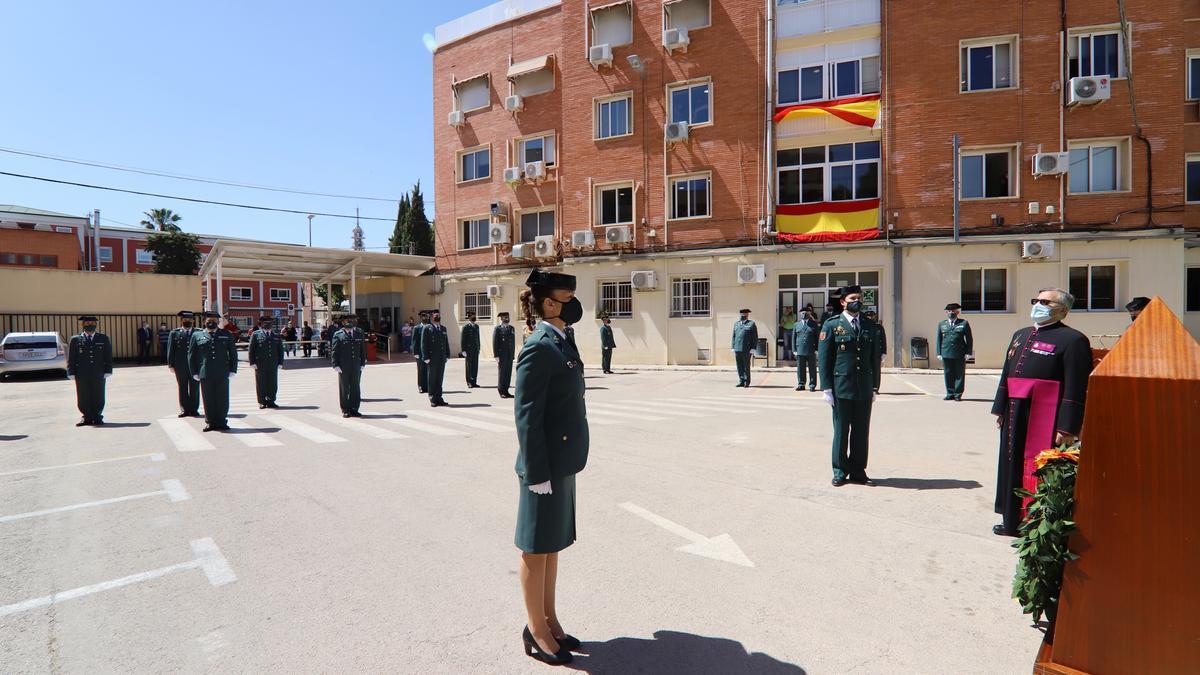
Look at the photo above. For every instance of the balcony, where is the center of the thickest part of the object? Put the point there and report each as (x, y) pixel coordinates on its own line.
(823, 16)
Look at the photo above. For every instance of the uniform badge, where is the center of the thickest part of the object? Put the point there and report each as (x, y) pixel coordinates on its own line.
(842, 347)
(571, 364)
(839, 330)
(822, 336)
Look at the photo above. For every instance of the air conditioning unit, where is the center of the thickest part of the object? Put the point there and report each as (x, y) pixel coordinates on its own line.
(514, 103)
(543, 246)
(600, 55)
(494, 291)
(752, 274)
(498, 234)
(617, 234)
(535, 172)
(1089, 90)
(676, 39)
(676, 132)
(1037, 250)
(522, 251)
(513, 175)
(1051, 163)
(581, 238)
(643, 280)
(457, 118)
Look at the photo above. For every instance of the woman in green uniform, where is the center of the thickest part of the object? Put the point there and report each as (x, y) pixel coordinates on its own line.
(553, 434)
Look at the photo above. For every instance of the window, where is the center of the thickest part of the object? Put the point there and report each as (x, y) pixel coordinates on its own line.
(690, 197)
(689, 297)
(1094, 286)
(690, 103)
(842, 172)
(478, 303)
(987, 174)
(616, 298)
(244, 293)
(144, 257)
(614, 204)
(1193, 289)
(1192, 179)
(281, 295)
(987, 65)
(1095, 53)
(689, 14)
(612, 25)
(472, 94)
(1193, 75)
(533, 76)
(536, 149)
(852, 77)
(801, 84)
(474, 233)
(474, 164)
(105, 254)
(28, 259)
(1098, 166)
(984, 290)
(536, 224)
(613, 117)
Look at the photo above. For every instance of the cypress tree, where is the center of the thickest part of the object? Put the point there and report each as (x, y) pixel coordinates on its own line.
(420, 230)
(400, 236)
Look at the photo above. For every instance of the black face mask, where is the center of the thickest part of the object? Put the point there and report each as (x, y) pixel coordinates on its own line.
(211, 326)
(89, 328)
(854, 307)
(187, 324)
(571, 312)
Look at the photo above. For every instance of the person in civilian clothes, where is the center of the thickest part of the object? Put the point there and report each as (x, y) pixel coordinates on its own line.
(552, 432)
(504, 348)
(1039, 403)
(804, 345)
(607, 345)
(306, 334)
(418, 333)
(265, 356)
(348, 354)
(164, 336)
(89, 363)
(848, 355)
(954, 342)
(435, 351)
(470, 346)
(745, 341)
(177, 362)
(212, 358)
(144, 337)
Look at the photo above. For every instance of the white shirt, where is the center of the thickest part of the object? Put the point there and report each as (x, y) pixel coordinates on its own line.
(852, 319)
(554, 328)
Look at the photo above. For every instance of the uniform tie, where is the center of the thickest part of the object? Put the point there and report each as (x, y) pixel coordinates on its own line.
(854, 324)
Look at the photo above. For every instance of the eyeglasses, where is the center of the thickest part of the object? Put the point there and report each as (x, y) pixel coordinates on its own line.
(1042, 301)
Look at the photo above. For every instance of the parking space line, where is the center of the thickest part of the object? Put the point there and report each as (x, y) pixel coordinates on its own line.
(450, 419)
(304, 429)
(154, 457)
(421, 426)
(185, 438)
(914, 386)
(172, 489)
(361, 426)
(658, 408)
(251, 438)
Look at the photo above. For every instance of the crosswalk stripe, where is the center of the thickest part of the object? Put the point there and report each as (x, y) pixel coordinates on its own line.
(253, 440)
(304, 429)
(421, 426)
(655, 407)
(490, 414)
(185, 438)
(708, 406)
(361, 426)
(778, 405)
(594, 409)
(452, 420)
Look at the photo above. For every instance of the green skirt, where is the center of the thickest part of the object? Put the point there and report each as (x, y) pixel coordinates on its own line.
(546, 523)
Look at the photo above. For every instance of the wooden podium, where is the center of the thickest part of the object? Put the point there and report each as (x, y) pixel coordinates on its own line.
(1131, 603)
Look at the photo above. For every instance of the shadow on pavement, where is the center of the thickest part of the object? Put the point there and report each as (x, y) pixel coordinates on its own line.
(14, 438)
(471, 405)
(927, 483)
(299, 407)
(978, 400)
(674, 652)
(122, 425)
(301, 363)
(902, 393)
(389, 416)
(377, 400)
(771, 386)
(256, 430)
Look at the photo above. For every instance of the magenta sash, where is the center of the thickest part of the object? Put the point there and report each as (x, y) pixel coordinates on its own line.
(1039, 433)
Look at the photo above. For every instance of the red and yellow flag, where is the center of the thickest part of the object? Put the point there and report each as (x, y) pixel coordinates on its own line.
(859, 110)
(828, 221)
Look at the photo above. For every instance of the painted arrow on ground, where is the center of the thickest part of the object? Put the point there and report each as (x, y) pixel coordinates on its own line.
(721, 547)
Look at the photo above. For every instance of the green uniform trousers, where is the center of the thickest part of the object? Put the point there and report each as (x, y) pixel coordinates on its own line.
(189, 391)
(472, 367)
(954, 371)
(89, 396)
(215, 392)
(349, 389)
(806, 363)
(606, 359)
(504, 380)
(422, 375)
(266, 383)
(743, 367)
(435, 372)
(851, 432)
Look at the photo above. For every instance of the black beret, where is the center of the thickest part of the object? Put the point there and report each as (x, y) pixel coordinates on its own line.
(847, 290)
(953, 305)
(186, 314)
(1137, 303)
(88, 317)
(552, 280)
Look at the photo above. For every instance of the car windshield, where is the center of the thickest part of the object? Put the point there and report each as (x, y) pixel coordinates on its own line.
(30, 343)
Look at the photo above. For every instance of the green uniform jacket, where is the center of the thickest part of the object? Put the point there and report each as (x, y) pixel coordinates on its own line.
(348, 349)
(504, 342)
(550, 413)
(177, 347)
(804, 337)
(954, 340)
(849, 363)
(435, 344)
(470, 338)
(606, 337)
(89, 359)
(745, 336)
(266, 349)
(213, 356)
(418, 332)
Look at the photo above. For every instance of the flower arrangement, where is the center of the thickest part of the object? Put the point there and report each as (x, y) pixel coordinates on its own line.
(1042, 538)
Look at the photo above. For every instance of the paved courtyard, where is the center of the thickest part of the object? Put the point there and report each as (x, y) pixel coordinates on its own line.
(710, 539)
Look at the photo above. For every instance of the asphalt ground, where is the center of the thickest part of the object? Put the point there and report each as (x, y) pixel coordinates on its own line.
(710, 538)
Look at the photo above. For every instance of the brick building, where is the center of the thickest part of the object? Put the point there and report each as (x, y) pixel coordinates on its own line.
(818, 151)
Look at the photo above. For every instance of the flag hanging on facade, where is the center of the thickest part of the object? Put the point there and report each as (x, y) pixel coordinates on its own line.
(859, 110)
(828, 221)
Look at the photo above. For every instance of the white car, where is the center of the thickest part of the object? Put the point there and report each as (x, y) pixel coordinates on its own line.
(28, 352)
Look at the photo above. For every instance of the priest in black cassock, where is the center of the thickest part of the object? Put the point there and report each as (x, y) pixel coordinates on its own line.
(1039, 404)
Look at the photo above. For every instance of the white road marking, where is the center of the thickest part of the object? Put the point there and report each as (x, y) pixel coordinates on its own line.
(915, 386)
(654, 407)
(603, 410)
(257, 439)
(361, 426)
(208, 559)
(304, 429)
(185, 438)
(720, 547)
(710, 406)
(489, 414)
(421, 426)
(154, 457)
(172, 489)
(777, 404)
(452, 420)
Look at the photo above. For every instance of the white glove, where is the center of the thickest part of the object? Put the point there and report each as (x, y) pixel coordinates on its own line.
(828, 394)
(541, 489)
(171, 369)
(337, 369)
(253, 366)
(107, 375)
(939, 358)
(874, 395)
(497, 359)
(196, 378)
(231, 374)
(426, 360)
(733, 350)
(70, 376)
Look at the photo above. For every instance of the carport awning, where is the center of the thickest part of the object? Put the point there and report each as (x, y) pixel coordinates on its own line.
(285, 262)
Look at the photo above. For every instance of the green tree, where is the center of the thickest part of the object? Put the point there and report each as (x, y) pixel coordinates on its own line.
(338, 296)
(175, 251)
(163, 220)
(400, 239)
(420, 230)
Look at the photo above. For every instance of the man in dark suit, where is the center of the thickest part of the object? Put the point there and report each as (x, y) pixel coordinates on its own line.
(435, 350)
(848, 354)
(212, 357)
(504, 348)
(177, 362)
(89, 363)
(607, 345)
(470, 348)
(804, 345)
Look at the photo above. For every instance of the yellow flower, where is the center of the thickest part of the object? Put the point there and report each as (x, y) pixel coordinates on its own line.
(1046, 456)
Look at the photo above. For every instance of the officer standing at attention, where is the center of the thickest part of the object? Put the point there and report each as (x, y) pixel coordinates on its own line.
(422, 372)
(177, 362)
(954, 342)
(607, 345)
(745, 339)
(470, 347)
(89, 363)
(265, 355)
(348, 353)
(212, 358)
(804, 345)
(849, 359)
(504, 348)
(435, 350)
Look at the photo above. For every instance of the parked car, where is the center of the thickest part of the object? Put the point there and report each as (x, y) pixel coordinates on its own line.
(28, 352)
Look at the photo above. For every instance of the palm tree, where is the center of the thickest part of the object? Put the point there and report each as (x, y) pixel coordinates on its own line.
(163, 220)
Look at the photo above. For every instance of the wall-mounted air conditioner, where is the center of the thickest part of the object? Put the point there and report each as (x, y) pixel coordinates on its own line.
(514, 175)
(643, 280)
(543, 246)
(535, 172)
(1037, 250)
(676, 39)
(498, 233)
(675, 132)
(1051, 163)
(582, 238)
(751, 274)
(522, 251)
(600, 55)
(457, 118)
(1089, 90)
(494, 291)
(617, 234)
(514, 103)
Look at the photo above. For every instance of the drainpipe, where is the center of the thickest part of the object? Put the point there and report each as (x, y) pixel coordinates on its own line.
(768, 212)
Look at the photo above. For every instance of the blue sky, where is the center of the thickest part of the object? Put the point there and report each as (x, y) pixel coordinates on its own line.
(327, 97)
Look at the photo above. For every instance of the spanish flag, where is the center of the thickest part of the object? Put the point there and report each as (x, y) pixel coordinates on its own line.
(828, 221)
(859, 110)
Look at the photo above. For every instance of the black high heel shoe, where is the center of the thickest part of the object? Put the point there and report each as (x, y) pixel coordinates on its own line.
(532, 650)
(569, 643)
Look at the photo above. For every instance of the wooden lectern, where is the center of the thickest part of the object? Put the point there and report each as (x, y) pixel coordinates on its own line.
(1131, 603)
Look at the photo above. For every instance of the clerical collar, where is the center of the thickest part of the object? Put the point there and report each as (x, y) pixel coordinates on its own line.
(561, 334)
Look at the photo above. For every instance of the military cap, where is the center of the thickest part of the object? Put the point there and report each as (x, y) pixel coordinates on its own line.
(186, 314)
(744, 310)
(502, 314)
(552, 280)
(1136, 304)
(431, 312)
(261, 319)
(953, 305)
(423, 313)
(212, 315)
(88, 317)
(847, 290)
